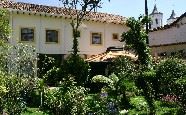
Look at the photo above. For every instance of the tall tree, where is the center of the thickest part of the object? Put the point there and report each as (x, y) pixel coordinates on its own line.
(78, 9)
(136, 37)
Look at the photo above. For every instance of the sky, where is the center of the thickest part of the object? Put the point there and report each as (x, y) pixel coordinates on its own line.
(129, 8)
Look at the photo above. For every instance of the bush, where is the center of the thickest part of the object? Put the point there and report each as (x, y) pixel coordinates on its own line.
(15, 93)
(22, 62)
(47, 62)
(122, 65)
(77, 67)
(168, 73)
(171, 75)
(53, 76)
(12, 101)
(167, 108)
(140, 106)
(67, 99)
(100, 103)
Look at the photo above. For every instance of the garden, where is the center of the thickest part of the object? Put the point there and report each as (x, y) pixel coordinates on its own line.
(146, 86)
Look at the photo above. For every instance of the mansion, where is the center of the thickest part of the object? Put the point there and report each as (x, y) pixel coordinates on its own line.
(48, 29)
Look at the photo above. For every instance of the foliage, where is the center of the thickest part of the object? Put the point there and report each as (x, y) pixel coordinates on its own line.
(169, 71)
(81, 8)
(4, 24)
(33, 111)
(122, 66)
(47, 62)
(123, 112)
(136, 37)
(101, 104)
(116, 88)
(19, 60)
(53, 76)
(67, 99)
(140, 106)
(102, 79)
(167, 108)
(171, 75)
(4, 33)
(14, 99)
(77, 67)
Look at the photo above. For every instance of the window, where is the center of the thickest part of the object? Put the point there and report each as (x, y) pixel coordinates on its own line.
(156, 21)
(27, 34)
(52, 36)
(96, 38)
(115, 36)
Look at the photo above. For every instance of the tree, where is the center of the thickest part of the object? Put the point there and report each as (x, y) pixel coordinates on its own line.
(77, 10)
(136, 37)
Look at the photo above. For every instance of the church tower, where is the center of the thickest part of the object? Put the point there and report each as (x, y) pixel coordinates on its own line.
(156, 18)
(172, 18)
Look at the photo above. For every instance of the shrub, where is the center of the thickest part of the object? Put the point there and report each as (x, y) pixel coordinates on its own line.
(76, 66)
(12, 101)
(15, 93)
(100, 79)
(171, 75)
(167, 73)
(167, 108)
(140, 106)
(53, 76)
(47, 62)
(67, 99)
(122, 65)
(99, 104)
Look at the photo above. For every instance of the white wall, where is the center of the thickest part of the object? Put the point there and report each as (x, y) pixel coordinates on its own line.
(174, 34)
(169, 40)
(41, 23)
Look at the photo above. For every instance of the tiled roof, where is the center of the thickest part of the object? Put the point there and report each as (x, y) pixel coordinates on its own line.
(174, 24)
(35, 8)
(109, 56)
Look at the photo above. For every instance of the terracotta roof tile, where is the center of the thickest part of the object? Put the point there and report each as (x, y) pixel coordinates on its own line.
(93, 16)
(109, 56)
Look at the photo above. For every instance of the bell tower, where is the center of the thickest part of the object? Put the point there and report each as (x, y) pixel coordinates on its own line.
(172, 18)
(156, 18)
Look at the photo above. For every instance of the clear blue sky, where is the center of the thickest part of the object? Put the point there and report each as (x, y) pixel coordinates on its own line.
(130, 8)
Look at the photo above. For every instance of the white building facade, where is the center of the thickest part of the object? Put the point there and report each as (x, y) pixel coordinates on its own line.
(49, 30)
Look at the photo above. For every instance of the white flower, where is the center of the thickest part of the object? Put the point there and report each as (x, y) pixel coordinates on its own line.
(122, 112)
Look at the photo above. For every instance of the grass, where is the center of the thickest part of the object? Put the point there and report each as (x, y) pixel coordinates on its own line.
(34, 111)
